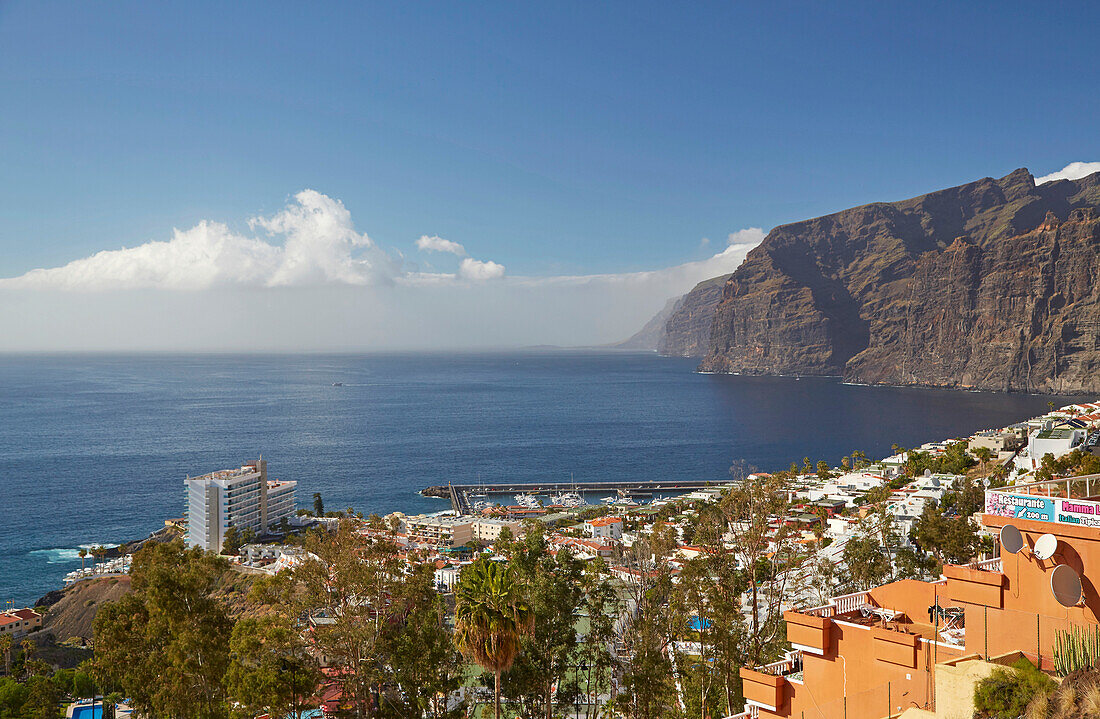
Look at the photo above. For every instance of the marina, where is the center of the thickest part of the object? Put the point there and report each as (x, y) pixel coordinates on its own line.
(470, 498)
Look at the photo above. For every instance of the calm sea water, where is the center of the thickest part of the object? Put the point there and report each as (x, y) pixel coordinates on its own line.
(94, 449)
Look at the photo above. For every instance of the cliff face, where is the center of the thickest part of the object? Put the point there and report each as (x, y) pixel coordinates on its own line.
(687, 328)
(652, 335)
(990, 285)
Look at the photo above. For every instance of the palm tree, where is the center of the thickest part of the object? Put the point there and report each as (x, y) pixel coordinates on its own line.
(5, 650)
(984, 454)
(83, 553)
(490, 618)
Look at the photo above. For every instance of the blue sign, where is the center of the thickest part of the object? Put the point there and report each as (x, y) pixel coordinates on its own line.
(1020, 506)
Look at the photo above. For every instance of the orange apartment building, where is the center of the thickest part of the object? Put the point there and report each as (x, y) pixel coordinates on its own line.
(878, 653)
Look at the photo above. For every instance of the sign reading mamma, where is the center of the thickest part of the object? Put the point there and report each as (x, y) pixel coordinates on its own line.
(1043, 509)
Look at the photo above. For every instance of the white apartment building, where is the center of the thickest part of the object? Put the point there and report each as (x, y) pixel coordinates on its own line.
(243, 498)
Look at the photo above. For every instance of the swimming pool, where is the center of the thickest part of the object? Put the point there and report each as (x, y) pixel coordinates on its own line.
(86, 712)
(696, 624)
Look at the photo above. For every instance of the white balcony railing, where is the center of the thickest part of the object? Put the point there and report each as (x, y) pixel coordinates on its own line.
(784, 666)
(987, 565)
(850, 602)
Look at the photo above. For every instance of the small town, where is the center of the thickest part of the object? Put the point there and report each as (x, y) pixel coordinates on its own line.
(946, 579)
(571, 360)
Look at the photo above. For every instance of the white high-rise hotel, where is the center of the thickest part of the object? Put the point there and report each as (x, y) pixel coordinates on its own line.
(243, 498)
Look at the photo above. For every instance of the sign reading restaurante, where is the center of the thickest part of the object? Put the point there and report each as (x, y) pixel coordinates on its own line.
(1043, 509)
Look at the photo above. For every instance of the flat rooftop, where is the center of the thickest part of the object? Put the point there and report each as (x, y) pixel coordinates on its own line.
(227, 473)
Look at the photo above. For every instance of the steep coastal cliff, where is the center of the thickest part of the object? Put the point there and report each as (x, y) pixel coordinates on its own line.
(687, 328)
(652, 334)
(994, 284)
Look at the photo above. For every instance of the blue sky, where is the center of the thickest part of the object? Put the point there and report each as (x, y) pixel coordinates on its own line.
(563, 138)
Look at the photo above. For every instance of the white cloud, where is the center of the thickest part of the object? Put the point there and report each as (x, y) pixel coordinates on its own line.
(477, 270)
(1072, 171)
(313, 243)
(326, 287)
(320, 246)
(438, 244)
(748, 236)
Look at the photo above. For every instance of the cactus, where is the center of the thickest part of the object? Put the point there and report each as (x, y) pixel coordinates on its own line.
(1077, 648)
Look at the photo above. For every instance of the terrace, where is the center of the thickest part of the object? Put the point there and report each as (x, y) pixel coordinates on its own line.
(1061, 488)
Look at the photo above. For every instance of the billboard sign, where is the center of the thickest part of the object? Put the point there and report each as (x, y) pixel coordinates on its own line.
(1043, 509)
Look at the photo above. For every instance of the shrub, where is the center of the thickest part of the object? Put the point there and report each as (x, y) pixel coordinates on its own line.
(1006, 693)
(89, 602)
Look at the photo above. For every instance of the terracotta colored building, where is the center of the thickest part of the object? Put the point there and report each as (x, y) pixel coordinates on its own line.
(877, 654)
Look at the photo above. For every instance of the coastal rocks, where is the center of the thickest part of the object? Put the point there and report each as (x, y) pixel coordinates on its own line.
(74, 612)
(990, 285)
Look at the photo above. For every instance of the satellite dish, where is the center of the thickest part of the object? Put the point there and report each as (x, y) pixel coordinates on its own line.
(1045, 546)
(927, 473)
(1065, 585)
(1011, 539)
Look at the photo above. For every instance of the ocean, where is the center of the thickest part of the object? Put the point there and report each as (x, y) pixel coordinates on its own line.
(94, 448)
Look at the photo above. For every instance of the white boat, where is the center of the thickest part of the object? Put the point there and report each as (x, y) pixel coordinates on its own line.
(568, 499)
(529, 501)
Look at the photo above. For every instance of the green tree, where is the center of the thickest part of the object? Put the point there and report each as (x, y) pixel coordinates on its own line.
(595, 661)
(868, 565)
(5, 652)
(648, 628)
(270, 670)
(913, 564)
(764, 553)
(710, 591)
(422, 667)
(664, 540)
(951, 540)
(83, 685)
(553, 597)
(875, 495)
(232, 541)
(983, 455)
(349, 584)
(13, 696)
(165, 644)
(42, 698)
(490, 618)
(318, 505)
(110, 702)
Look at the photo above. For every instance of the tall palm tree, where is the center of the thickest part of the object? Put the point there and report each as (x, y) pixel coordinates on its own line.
(5, 651)
(490, 618)
(83, 553)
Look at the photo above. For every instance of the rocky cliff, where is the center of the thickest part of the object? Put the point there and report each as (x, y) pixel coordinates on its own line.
(990, 285)
(652, 334)
(687, 328)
